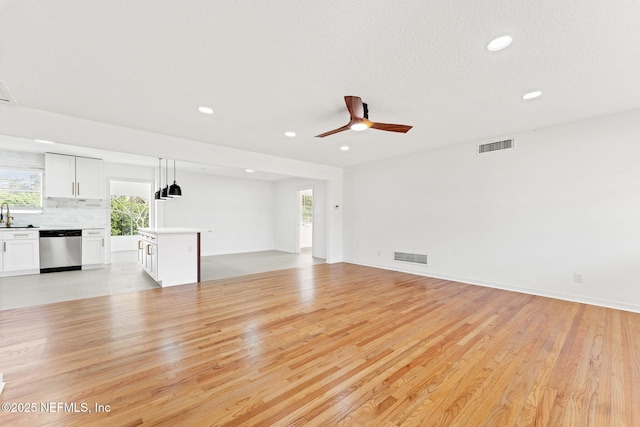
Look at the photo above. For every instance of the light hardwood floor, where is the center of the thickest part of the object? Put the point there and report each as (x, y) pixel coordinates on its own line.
(324, 345)
(127, 276)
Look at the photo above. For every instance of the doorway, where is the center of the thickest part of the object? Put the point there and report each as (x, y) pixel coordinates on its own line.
(130, 209)
(305, 220)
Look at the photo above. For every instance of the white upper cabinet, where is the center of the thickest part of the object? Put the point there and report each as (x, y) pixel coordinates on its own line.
(60, 175)
(73, 177)
(89, 178)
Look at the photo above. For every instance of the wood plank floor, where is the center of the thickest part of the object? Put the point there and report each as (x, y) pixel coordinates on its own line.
(127, 276)
(325, 345)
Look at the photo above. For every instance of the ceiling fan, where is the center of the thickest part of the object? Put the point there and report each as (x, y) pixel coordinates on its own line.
(360, 119)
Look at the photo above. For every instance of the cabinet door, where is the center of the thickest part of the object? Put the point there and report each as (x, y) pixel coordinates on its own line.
(92, 250)
(89, 181)
(152, 260)
(59, 175)
(21, 254)
(1, 254)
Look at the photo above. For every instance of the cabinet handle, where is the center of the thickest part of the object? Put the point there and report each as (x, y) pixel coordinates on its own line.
(21, 235)
(148, 250)
(73, 188)
(139, 244)
(103, 242)
(78, 185)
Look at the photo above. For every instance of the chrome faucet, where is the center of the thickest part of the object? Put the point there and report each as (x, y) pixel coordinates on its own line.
(9, 217)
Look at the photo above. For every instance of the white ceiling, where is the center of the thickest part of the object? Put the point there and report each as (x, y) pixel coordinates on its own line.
(268, 67)
(11, 143)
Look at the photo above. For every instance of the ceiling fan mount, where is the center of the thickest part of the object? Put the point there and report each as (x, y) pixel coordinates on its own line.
(359, 112)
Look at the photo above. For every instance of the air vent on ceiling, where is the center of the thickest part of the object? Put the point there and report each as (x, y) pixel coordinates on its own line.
(407, 257)
(5, 96)
(495, 146)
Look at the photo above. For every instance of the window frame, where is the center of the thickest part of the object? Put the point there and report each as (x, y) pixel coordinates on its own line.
(26, 209)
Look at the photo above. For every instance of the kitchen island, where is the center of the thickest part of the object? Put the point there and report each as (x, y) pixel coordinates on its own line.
(170, 255)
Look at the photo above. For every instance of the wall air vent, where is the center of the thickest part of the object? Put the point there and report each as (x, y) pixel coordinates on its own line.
(5, 96)
(412, 258)
(495, 146)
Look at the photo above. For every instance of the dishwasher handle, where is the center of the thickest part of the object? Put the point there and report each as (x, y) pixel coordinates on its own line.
(60, 233)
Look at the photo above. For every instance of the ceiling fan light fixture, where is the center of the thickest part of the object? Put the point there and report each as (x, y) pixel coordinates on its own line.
(499, 43)
(359, 114)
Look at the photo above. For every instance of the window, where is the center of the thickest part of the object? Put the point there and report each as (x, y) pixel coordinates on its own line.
(21, 189)
(307, 209)
(129, 207)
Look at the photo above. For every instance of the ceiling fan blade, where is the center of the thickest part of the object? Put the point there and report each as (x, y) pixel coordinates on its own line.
(390, 127)
(331, 132)
(355, 107)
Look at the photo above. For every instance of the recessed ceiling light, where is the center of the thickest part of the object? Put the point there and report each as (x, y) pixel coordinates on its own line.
(205, 110)
(345, 148)
(499, 43)
(290, 134)
(532, 95)
(249, 170)
(44, 141)
(359, 126)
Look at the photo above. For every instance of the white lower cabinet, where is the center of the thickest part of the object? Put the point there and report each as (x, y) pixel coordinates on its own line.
(20, 252)
(170, 257)
(148, 254)
(93, 248)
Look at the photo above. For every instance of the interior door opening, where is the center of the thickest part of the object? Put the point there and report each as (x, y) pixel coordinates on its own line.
(305, 221)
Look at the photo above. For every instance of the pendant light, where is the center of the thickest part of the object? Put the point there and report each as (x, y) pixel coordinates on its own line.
(165, 190)
(158, 195)
(175, 190)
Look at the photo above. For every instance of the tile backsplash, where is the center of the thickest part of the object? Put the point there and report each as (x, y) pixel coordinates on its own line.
(57, 213)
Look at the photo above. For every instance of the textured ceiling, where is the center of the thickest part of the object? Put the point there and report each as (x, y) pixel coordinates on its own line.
(268, 67)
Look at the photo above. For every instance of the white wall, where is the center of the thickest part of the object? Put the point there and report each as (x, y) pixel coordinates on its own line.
(238, 212)
(287, 214)
(566, 200)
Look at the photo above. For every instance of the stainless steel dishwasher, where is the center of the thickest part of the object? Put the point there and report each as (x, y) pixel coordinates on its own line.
(60, 250)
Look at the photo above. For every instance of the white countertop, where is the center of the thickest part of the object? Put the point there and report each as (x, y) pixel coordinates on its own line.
(171, 230)
(20, 227)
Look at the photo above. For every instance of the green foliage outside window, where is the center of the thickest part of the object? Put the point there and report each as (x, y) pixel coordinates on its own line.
(20, 199)
(307, 209)
(128, 213)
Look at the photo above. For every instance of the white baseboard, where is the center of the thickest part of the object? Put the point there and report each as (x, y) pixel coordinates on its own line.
(557, 295)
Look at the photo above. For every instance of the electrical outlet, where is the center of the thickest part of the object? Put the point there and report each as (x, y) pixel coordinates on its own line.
(577, 277)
